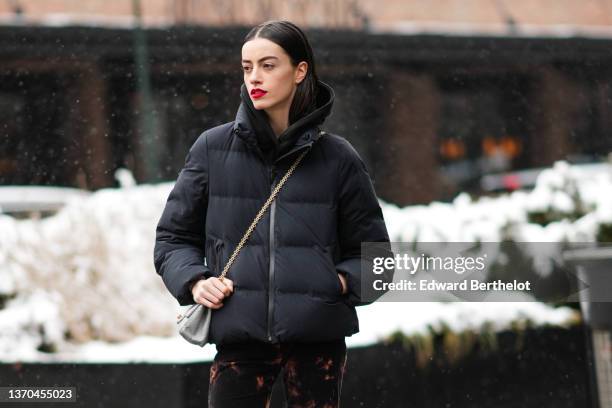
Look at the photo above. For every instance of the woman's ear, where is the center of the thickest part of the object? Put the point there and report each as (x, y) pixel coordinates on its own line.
(300, 72)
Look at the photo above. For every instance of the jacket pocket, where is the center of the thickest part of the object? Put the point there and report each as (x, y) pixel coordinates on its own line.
(327, 253)
(218, 250)
(209, 256)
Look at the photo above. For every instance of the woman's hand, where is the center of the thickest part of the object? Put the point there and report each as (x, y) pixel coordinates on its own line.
(210, 292)
(343, 283)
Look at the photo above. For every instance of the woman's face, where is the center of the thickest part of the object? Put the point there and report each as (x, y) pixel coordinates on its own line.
(269, 77)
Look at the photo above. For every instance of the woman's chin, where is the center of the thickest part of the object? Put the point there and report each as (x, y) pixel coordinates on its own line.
(259, 105)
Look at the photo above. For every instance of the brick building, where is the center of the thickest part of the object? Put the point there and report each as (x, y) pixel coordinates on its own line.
(432, 93)
(395, 15)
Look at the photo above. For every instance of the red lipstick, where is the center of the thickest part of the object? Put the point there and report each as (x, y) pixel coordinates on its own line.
(258, 93)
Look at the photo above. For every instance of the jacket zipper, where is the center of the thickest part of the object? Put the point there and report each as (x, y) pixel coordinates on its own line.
(271, 267)
(272, 243)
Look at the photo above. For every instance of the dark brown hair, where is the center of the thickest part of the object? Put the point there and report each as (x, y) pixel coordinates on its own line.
(293, 40)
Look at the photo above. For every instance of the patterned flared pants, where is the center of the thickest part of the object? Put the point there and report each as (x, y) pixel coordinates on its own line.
(242, 375)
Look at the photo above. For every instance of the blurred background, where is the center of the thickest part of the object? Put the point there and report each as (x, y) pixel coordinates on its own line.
(479, 121)
(434, 94)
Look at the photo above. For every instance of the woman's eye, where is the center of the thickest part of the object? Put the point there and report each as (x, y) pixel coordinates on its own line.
(246, 68)
(268, 66)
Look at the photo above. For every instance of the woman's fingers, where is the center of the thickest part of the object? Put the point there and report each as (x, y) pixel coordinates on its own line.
(216, 287)
(343, 283)
(229, 284)
(224, 286)
(204, 297)
(211, 301)
(213, 291)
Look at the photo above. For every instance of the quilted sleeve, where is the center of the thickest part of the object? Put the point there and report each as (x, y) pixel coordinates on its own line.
(180, 233)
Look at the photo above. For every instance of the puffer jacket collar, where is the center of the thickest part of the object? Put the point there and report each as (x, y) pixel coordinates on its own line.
(252, 126)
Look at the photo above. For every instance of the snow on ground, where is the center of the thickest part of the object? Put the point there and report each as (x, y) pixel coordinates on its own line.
(88, 271)
(377, 321)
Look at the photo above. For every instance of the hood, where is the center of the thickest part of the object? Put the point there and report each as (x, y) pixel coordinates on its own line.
(253, 127)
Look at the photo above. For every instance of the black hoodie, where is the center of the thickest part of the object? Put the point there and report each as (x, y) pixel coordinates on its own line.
(253, 120)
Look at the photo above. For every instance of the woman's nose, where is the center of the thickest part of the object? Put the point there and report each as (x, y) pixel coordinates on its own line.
(254, 76)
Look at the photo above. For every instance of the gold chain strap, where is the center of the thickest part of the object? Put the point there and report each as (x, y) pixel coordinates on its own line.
(260, 214)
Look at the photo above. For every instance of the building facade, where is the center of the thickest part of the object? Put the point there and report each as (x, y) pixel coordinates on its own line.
(430, 112)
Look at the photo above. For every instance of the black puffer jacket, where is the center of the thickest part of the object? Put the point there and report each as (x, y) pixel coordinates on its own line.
(286, 286)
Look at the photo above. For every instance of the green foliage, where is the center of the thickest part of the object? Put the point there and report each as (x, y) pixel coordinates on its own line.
(604, 232)
(442, 345)
(4, 298)
(569, 187)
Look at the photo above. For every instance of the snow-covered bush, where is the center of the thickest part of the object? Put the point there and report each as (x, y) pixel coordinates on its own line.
(96, 257)
(567, 204)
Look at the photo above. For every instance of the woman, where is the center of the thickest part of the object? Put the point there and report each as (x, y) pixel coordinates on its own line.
(289, 299)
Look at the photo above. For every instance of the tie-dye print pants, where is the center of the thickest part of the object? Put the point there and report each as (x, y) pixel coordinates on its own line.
(242, 375)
